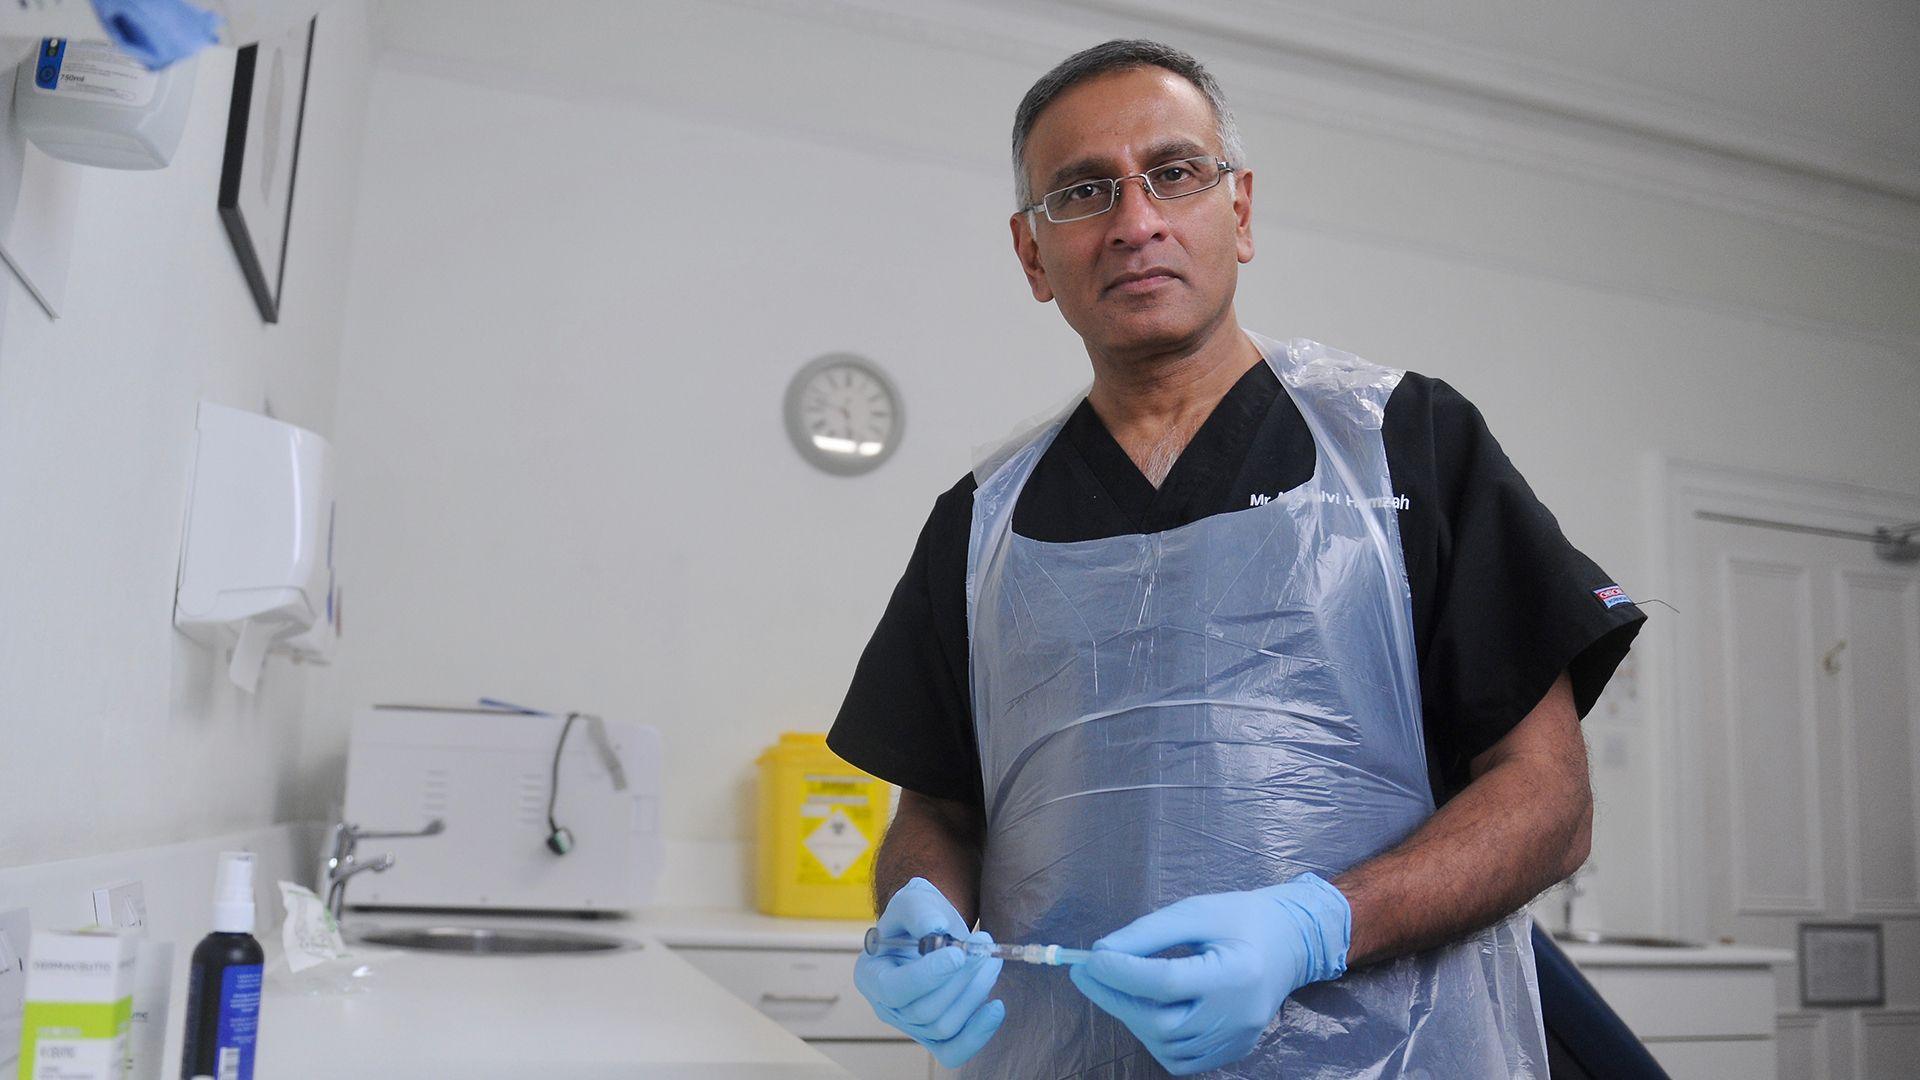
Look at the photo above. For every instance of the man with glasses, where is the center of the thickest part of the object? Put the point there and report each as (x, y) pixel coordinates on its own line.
(1259, 673)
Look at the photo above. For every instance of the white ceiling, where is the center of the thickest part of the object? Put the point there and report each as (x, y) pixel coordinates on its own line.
(1848, 68)
(1829, 88)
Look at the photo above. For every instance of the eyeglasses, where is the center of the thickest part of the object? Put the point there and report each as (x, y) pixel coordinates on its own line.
(1090, 198)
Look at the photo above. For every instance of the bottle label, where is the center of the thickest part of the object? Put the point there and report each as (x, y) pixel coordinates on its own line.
(239, 1022)
(95, 71)
(55, 1059)
(63, 1040)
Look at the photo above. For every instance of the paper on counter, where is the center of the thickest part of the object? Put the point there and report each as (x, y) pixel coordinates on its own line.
(310, 935)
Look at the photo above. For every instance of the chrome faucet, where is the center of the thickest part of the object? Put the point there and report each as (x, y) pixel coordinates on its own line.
(343, 863)
(1573, 891)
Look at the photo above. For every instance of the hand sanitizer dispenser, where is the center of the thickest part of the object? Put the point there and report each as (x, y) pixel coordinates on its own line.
(256, 563)
(89, 103)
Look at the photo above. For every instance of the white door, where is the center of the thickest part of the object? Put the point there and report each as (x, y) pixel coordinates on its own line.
(1808, 686)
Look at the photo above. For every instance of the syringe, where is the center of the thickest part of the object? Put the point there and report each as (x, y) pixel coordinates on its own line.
(1052, 955)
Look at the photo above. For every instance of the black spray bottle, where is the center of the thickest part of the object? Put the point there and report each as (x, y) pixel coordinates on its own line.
(223, 991)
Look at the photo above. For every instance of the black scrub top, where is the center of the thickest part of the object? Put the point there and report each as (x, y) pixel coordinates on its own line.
(1502, 603)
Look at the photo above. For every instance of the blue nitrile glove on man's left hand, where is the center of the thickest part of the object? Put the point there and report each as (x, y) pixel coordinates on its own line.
(939, 999)
(1252, 949)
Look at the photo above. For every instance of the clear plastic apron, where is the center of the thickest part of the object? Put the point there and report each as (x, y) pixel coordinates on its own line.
(1220, 707)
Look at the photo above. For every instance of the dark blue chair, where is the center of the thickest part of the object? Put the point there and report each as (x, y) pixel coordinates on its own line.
(1585, 1037)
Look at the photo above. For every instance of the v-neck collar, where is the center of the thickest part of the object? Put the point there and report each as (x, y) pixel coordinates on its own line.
(1213, 456)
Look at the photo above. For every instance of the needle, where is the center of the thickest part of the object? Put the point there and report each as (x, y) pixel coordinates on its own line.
(1052, 955)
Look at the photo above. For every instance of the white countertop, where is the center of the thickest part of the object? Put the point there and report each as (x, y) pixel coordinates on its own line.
(638, 1013)
(714, 928)
(1597, 956)
(718, 928)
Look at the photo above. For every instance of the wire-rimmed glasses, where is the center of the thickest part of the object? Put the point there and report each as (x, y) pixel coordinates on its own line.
(1091, 198)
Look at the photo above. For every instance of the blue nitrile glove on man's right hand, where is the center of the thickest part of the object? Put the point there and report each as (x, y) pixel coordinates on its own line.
(1252, 949)
(157, 32)
(939, 999)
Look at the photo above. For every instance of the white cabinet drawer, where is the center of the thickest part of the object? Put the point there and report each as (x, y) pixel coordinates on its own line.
(1716, 1059)
(1689, 1001)
(809, 993)
(878, 1060)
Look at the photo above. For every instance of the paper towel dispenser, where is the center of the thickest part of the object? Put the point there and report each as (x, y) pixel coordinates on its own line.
(256, 560)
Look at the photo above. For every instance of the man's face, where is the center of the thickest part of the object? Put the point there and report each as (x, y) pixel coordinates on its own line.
(1116, 124)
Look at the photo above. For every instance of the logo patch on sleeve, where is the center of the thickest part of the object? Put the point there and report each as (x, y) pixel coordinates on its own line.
(1612, 596)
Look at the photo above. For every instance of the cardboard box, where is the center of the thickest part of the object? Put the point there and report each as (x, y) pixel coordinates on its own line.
(79, 1005)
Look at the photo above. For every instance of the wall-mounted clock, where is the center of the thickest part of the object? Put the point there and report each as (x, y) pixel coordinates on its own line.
(843, 414)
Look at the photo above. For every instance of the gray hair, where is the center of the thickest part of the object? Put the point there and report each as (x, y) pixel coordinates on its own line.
(1117, 55)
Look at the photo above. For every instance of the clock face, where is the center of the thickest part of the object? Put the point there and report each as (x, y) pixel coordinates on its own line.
(843, 414)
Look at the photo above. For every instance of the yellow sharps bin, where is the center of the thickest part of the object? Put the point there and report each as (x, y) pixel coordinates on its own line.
(820, 822)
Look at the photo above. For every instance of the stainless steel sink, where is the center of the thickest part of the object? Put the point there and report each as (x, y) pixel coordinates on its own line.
(1607, 937)
(495, 941)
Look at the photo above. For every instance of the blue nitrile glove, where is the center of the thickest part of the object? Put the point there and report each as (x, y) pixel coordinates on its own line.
(1252, 949)
(157, 32)
(939, 999)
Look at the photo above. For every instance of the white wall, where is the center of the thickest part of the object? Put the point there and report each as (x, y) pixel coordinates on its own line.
(115, 731)
(585, 266)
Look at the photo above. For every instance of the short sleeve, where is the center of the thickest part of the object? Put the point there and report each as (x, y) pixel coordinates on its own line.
(906, 717)
(1513, 602)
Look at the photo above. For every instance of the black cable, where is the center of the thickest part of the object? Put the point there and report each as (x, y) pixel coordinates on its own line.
(559, 840)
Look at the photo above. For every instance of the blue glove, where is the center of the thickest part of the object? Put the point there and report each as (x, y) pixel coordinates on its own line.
(157, 32)
(939, 999)
(1252, 949)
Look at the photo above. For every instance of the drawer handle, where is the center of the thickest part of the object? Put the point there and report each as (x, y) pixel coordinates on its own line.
(800, 999)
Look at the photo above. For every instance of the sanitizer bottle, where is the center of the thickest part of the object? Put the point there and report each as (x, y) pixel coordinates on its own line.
(223, 991)
(89, 103)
